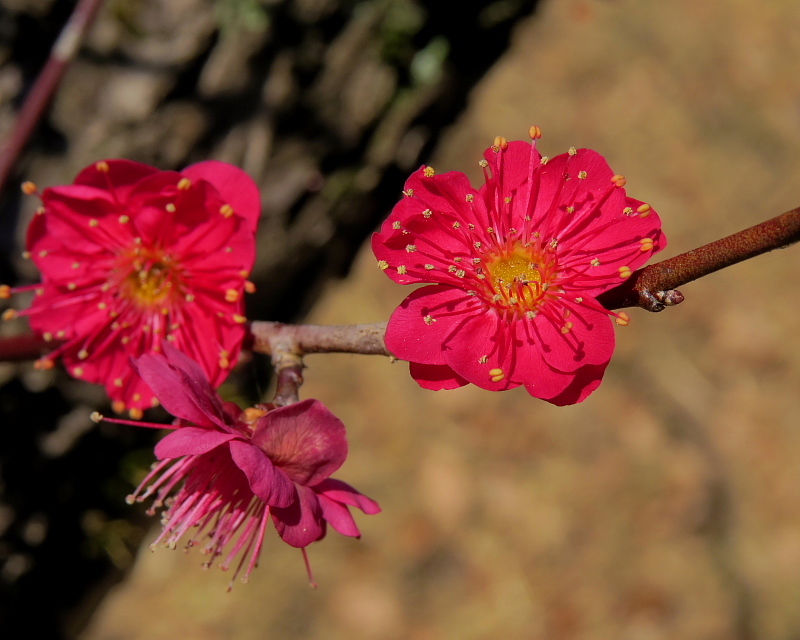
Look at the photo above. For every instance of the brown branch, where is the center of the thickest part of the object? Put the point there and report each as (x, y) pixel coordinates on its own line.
(653, 287)
(272, 337)
(61, 55)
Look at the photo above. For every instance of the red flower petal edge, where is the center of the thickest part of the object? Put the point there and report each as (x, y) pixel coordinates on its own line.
(131, 256)
(515, 269)
(225, 473)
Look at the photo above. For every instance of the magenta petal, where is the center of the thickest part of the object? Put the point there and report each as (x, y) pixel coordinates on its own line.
(234, 186)
(344, 493)
(269, 483)
(435, 376)
(301, 523)
(589, 340)
(339, 516)
(305, 440)
(420, 327)
(185, 394)
(586, 380)
(190, 441)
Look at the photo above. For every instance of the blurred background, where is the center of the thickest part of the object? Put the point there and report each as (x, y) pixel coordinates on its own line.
(665, 506)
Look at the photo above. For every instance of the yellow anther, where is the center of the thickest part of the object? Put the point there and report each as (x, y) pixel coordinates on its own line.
(572, 151)
(231, 295)
(28, 188)
(239, 319)
(500, 143)
(625, 272)
(189, 297)
(40, 211)
(249, 287)
(498, 377)
(26, 255)
(429, 319)
(618, 180)
(495, 372)
(48, 337)
(595, 262)
(43, 364)
(72, 286)
(545, 159)
(83, 354)
(123, 219)
(118, 406)
(646, 244)
(535, 132)
(483, 163)
(622, 319)
(77, 372)
(251, 414)
(102, 166)
(427, 213)
(396, 224)
(566, 328)
(411, 248)
(170, 207)
(224, 362)
(627, 211)
(154, 402)
(428, 172)
(135, 413)
(383, 265)
(582, 175)
(408, 193)
(96, 417)
(643, 210)
(184, 184)
(470, 197)
(5, 291)
(402, 269)
(117, 382)
(244, 273)
(10, 314)
(226, 210)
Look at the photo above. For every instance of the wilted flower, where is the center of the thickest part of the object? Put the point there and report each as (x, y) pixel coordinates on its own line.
(131, 256)
(517, 266)
(224, 473)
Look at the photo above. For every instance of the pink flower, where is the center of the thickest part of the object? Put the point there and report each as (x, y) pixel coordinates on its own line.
(516, 267)
(130, 256)
(226, 472)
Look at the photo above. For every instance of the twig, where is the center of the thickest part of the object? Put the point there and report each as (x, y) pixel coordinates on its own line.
(652, 287)
(61, 55)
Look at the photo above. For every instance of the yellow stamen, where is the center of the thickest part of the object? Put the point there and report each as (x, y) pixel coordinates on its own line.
(231, 295)
(535, 132)
(226, 210)
(184, 184)
(102, 166)
(622, 319)
(28, 188)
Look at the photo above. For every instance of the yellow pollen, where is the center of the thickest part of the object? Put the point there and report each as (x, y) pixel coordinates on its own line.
(411, 248)
(514, 268)
(231, 295)
(627, 211)
(619, 180)
(244, 273)
(572, 151)
(625, 272)
(224, 362)
(28, 188)
(429, 267)
(582, 175)
(396, 224)
(40, 211)
(499, 143)
(117, 382)
(239, 319)
(93, 222)
(154, 402)
(578, 300)
(622, 319)
(643, 210)
(483, 359)
(566, 328)
(96, 417)
(189, 297)
(383, 265)
(171, 207)
(5, 291)
(507, 199)
(226, 210)
(498, 377)
(249, 287)
(118, 406)
(428, 172)
(646, 244)
(48, 337)
(135, 412)
(595, 263)
(427, 213)
(408, 193)
(72, 286)
(456, 225)
(251, 414)
(470, 197)
(545, 159)
(495, 372)
(124, 219)
(429, 319)
(102, 166)
(184, 184)
(483, 163)
(402, 269)
(26, 255)
(77, 372)
(535, 132)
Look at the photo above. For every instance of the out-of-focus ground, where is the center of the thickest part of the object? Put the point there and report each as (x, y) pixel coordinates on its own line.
(665, 506)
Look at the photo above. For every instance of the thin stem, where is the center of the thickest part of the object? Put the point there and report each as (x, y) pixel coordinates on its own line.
(61, 55)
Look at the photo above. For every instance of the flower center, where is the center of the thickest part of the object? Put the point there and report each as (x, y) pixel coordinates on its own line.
(517, 279)
(151, 280)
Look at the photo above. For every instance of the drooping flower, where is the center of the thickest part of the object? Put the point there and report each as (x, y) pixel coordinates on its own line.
(516, 267)
(224, 473)
(131, 256)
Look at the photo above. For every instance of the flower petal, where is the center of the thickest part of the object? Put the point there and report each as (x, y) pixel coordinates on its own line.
(268, 482)
(190, 441)
(344, 493)
(304, 439)
(301, 523)
(419, 328)
(339, 516)
(435, 376)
